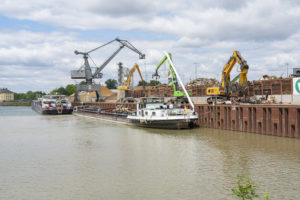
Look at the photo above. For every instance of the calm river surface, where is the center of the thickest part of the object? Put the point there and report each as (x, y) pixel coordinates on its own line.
(69, 157)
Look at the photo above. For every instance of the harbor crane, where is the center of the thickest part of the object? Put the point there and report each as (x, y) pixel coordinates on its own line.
(85, 72)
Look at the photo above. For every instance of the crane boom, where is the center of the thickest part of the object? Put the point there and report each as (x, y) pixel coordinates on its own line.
(99, 69)
(130, 46)
(87, 72)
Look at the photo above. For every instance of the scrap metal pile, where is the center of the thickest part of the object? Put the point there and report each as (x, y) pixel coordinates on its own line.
(204, 81)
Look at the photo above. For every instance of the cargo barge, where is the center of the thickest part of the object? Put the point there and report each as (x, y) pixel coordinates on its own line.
(107, 114)
(52, 105)
(159, 113)
(174, 113)
(149, 113)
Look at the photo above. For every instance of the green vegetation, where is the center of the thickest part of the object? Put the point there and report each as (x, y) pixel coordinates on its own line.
(30, 95)
(21, 103)
(246, 189)
(111, 83)
(266, 196)
(151, 83)
(68, 90)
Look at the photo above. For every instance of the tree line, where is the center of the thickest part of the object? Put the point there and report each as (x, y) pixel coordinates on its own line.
(30, 95)
(70, 89)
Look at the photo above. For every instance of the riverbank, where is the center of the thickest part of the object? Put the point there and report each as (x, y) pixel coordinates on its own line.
(16, 103)
(69, 157)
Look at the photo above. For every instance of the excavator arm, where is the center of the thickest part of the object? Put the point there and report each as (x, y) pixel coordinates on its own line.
(174, 82)
(236, 57)
(126, 84)
(244, 69)
(225, 90)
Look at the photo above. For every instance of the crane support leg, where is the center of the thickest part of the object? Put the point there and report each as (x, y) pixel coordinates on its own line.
(88, 88)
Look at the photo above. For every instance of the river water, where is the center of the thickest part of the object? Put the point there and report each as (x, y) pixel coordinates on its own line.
(70, 157)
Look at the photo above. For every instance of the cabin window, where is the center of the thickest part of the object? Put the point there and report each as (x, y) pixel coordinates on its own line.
(139, 112)
(153, 113)
(146, 113)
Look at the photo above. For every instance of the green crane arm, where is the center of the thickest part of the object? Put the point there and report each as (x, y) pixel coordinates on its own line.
(174, 82)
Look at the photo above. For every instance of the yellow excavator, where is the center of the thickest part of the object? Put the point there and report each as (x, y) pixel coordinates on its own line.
(126, 85)
(223, 92)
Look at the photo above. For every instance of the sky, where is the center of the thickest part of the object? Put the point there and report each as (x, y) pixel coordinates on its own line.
(38, 38)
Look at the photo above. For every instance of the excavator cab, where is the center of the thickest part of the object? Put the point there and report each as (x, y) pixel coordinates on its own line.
(227, 88)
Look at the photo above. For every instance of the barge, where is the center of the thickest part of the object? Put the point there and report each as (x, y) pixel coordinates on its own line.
(158, 113)
(107, 114)
(150, 113)
(52, 104)
(153, 112)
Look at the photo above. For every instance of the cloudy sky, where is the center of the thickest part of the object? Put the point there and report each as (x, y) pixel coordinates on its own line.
(38, 38)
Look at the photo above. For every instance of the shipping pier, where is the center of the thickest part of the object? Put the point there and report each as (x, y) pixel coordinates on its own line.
(275, 120)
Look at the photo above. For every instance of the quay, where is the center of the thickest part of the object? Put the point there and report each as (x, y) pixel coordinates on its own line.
(266, 119)
(276, 120)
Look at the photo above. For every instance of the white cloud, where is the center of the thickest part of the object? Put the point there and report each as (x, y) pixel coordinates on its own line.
(203, 32)
(220, 20)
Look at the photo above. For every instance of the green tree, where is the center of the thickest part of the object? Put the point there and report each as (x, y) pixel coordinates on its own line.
(39, 94)
(111, 83)
(246, 188)
(20, 96)
(70, 89)
(30, 95)
(60, 90)
(54, 91)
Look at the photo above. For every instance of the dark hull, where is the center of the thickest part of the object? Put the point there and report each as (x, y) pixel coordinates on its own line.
(53, 111)
(57, 112)
(165, 124)
(117, 117)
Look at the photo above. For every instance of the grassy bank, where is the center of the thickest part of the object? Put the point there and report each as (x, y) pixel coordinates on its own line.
(15, 103)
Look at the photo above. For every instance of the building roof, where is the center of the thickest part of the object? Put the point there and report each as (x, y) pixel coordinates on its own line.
(5, 90)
